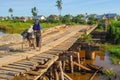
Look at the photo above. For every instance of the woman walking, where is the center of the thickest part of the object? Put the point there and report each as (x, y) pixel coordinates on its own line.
(37, 32)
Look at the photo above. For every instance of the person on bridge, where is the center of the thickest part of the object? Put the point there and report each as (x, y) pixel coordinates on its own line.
(31, 37)
(37, 32)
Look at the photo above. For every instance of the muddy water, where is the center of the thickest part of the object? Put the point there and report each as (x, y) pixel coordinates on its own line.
(80, 76)
(101, 59)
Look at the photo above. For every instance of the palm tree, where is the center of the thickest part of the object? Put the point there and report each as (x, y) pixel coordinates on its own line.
(11, 11)
(59, 5)
(34, 11)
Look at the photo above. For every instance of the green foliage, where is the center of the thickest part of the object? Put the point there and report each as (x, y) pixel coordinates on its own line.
(114, 59)
(113, 35)
(91, 22)
(52, 20)
(115, 55)
(77, 19)
(114, 52)
(11, 11)
(11, 26)
(34, 11)
(109, 72)
(85, 38)
(66, 19)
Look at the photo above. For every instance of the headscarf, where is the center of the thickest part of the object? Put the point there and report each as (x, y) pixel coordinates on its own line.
(36, 25)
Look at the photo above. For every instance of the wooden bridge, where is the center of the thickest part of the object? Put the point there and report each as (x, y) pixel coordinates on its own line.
(30, 64)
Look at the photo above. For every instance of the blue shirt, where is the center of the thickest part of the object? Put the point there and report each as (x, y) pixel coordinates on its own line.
(36, 25)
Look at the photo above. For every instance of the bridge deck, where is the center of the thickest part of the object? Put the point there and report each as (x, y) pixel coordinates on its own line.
(26, 62)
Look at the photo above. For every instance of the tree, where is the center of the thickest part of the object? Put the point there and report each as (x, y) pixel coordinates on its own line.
(59, 5)
(67, 19)
(34, 11)
(10, 11)
(77, 19)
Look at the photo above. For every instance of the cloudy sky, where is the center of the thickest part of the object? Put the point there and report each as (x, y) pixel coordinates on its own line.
(47, 7)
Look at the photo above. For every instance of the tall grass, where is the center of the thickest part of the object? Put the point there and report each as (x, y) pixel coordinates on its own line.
(114, 52)
(19, 27)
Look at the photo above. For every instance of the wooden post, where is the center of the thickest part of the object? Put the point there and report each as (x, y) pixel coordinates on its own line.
(71, 63)
(50, 73)
(63, 65)
(61, 71)
(78, 60)
(56, 74)
(56, 77)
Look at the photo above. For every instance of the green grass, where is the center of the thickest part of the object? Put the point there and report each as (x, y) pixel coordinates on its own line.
(114, 52)
(19, 27)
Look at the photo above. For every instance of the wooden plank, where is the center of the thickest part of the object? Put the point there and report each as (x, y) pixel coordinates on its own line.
(34, 73)
(28, 63)
(83, 67)
(23, 65)
(38, 61)
(13, 69)
(42, 71)
(3, 79)
(9, 72)
(18, 67)
(42, 66)
(40, 58)
(4, 76)
(46, 59)
(67, 77)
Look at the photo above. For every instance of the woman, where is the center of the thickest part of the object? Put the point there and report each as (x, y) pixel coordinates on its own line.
(37, 32)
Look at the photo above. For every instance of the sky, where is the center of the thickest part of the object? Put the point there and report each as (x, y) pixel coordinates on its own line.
(48, 7)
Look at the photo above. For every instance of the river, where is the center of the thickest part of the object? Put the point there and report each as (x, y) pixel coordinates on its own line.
(101, 59)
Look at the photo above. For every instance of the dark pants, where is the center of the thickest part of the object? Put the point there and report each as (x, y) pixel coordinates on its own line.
(38, 38)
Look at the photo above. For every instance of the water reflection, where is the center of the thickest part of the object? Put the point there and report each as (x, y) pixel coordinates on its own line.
(79, 76)
(106, 63)
(101, 59)
(1, 33)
